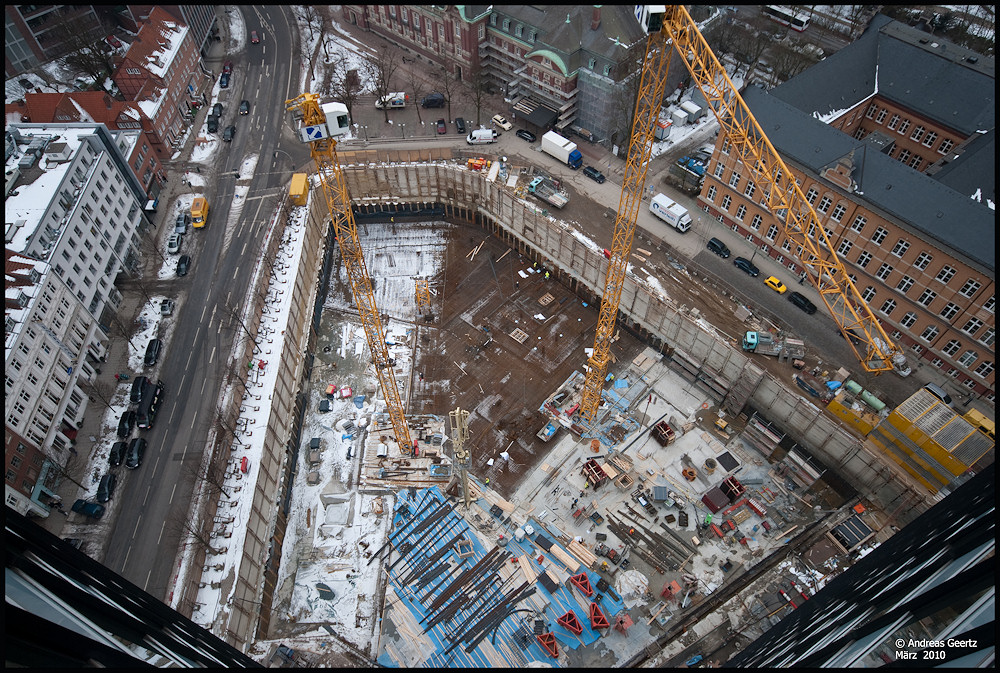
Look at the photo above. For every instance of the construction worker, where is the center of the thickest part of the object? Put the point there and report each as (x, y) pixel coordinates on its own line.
(546, 275)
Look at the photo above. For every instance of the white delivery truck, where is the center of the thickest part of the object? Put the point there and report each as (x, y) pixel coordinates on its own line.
(481, 137)
(670, 212)
(393, 101)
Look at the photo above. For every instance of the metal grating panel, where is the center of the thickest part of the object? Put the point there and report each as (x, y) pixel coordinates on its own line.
(917, 405)
(951, 434)
(936, 418)
(973, 448)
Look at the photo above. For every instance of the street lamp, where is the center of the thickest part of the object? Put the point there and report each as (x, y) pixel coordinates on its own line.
(402, 127)
(365, 128)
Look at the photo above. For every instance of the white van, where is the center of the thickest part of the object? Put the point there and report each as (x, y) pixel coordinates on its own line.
(670, 212)
(393, 101)
(481, 137)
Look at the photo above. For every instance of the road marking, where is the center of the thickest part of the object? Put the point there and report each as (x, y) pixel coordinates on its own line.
(245, 244)
(235, 272)
(211, 355)
(148, 575)
(137, 522)
(182, 379)
(127, 552)
(162, 528)
(146, 499)
(171, 501)
(204, 308)
(204, 382)
(192, 424)
(188, 360)
(196, 333)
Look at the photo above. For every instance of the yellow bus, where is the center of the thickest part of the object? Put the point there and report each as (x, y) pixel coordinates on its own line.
(199, 212)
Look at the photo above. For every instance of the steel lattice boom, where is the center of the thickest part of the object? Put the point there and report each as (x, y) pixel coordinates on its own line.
(324, 154)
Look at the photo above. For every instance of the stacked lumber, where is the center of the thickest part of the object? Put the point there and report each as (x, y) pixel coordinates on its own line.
(566, 559)
(587, 557)
(529, 573)
(553, 576)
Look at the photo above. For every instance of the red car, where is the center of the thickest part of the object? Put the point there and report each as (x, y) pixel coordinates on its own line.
(442, 126)
(227, 68)
(254, 38)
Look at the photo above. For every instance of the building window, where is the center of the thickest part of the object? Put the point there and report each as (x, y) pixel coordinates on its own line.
(949, 311)
(859, 223)
(811, 195)
(493, 19)
(927, 297)
(844, 247)
(711, 193)
(888, 307)
(772, 232)
(734, 179)
(726, 200)
(929, 333)
(864, 258)
(903, 127)
(905, 284)
(750, 189)
(952, 347)
(916, 161)
(881, 115)
(970, 288)
(946, 145)
(756, 222)
(824, 204)
(937, 362)
(879, 236)
(900, 248)
(518, 30)
(929, 139)
(893, 121)
(392, 11)
(719, 169)
(482, 29)
(985, 369)
(725, 146)
(872, 109)
(923, 259)
(883, 272)
(904, 156)
(989, 303)
(908, 319)
(968, 357)
(741, 212)
(946, 274)
(917, 134)
(868, 294)
(988, 337)
(838, 212)
(972, 326)
(531, 35)
(607, 70)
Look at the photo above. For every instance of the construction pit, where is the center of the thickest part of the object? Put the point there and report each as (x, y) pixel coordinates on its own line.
(578, 548)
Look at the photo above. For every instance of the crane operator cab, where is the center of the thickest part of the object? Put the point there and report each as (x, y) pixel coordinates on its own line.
(650, 17)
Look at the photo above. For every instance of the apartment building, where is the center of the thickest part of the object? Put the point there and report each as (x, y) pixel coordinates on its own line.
(561, 66)
(892, 142)
(73, 217)
(161, 74)
(35, 34)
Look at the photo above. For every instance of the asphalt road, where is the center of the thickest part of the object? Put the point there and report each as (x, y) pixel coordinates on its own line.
(156, 497)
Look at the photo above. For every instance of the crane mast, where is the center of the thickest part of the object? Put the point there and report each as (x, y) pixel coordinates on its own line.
(671, 27)
(324, 153)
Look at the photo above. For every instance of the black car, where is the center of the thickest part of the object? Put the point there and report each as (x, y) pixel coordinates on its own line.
(527, 135)
(213, 124)
(743, 263)
(244, 107)
(593, 174)
(183, 265)
(137, 387)
(106, 488)
(217, 110)
(88, 509)
(117, 454)
(224, 81)
(136, 449)
(126, 424)
(153, 349)
(718, 247)
(801, 301)
(460, 124)
(229, 133)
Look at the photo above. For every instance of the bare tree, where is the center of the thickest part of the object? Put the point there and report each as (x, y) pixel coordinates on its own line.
(99, 390)
(380, 67)
(213, 475)
(417, 90)
(343, 83)
(750, 47)
(183, 527)
(478, 87)
(449, 86)
(87, 52)
(786, 63)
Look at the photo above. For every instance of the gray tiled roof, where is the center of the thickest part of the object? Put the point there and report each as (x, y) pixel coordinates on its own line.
(975, 171)
(934, 79)
(929, 206)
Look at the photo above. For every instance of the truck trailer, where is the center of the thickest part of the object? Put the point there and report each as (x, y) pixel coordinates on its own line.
(766, 343)
(544, 190)
(562, 149)
(670, 212)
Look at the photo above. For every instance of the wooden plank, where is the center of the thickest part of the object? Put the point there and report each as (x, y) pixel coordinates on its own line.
(565, 558)
(553, 576)
(529, 572)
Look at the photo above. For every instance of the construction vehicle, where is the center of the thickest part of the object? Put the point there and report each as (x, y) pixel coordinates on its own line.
(562, 149)
(765, 343)
(671, 28)
(322, 148)
(546, 191)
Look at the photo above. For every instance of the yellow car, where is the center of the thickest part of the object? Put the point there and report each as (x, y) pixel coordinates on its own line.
(775, 285)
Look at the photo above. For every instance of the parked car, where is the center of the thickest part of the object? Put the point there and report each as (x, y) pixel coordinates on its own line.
(106, 488)
(244, 107)
(254, 37)
(183, 265)
(213, 124)
(88, 509)
(593, 174)
(114, 42)
(527, 135)
(718, 247)
(117, 454)
(502, 123)
(229, 133)
(802, 302)
(126, 423)
(224, 81)
(153, 349)
(227, 68)
(442, 127)
(460, 124)
(746, 265)
(136, 449)
(174, 243)
(167, 307)
(433, 100)
(137, 386)
(182, 222)
(775, 285)
(217, 110)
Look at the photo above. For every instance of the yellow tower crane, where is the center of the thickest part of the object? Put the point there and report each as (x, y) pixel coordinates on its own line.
(669, 28)
(323, 150)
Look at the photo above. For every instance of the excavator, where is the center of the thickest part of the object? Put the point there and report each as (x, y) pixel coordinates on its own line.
(670, 29)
